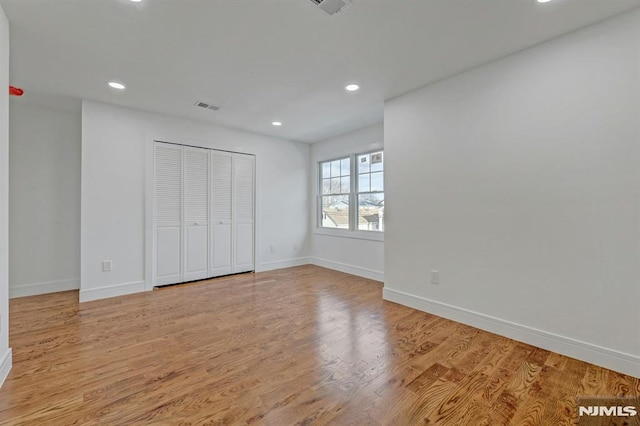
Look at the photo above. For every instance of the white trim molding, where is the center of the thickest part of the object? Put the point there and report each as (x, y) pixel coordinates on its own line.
(5, 365)
(598, 355)
(89, 294)
(279, 264)
(22, 290)
(345, 233)
(348, 269)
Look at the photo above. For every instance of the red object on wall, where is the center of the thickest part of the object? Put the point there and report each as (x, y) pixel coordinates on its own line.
(14, 91)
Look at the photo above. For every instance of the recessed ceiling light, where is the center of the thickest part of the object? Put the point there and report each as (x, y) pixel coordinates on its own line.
(544, 1)
(277, 123)
(116, 85)
(352, 87)
(136, 1)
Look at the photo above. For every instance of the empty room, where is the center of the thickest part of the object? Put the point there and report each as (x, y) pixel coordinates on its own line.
(320, 212)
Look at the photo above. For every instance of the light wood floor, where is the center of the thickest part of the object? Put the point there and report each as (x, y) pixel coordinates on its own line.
(297, 346)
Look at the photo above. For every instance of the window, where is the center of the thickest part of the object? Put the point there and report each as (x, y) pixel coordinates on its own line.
(339, 192)
(335, 183)
(370, 191)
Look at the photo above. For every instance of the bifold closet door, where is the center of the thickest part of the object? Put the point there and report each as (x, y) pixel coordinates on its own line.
(203, 212)
(243, 212)
(196, 213)
(168, 213)
(221, 215)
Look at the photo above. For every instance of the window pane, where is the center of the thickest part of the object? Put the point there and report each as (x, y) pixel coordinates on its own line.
(363, 183)
(335, 212)
(326, 186)
(345, 184)
(377, 162)
(377, 181)
(326, 170)
(335, 168)
(363, 163)
(371, 212)
(335, 185)
(345, 166)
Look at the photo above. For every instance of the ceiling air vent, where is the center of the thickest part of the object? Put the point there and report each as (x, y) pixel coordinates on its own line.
(205, 105)
(331, 6)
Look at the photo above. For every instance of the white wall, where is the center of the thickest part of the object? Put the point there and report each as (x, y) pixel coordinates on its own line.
(352, 255)
(5, 351)
(44, 195)
(113, 192)
(524, 178)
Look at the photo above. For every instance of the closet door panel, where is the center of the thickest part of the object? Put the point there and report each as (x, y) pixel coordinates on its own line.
(168, 213)
(243, 212)
(196, 244)
(221, 213)
(221, 256)
(244, 247)
(168, 255)
(196, 213)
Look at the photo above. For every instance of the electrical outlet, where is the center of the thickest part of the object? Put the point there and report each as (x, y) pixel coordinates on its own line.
(435, 277)
(272, 248)
(107, 266)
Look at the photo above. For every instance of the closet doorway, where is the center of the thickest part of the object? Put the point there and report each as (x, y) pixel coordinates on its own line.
(203, 213)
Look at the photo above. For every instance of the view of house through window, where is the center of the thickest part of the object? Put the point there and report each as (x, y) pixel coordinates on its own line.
(339, 191)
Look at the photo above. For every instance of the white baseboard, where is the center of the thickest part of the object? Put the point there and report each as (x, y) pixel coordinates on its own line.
(279, 264)
(604, 357)
(329, 264)
(22, 290)
(87, 295)
(348, 269)
(5, 365)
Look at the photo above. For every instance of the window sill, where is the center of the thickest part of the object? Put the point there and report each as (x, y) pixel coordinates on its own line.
(344, 233)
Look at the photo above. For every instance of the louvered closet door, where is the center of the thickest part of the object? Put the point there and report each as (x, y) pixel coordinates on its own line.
(196, 213)
(168, 213)
(221, 199)
(243, 212)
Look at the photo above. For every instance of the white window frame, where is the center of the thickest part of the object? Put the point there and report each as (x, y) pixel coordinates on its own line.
(352, 231)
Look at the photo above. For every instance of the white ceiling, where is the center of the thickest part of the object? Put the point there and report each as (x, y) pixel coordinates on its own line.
(266, 60)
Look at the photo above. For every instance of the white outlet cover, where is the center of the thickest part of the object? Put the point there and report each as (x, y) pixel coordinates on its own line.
(435, 277)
